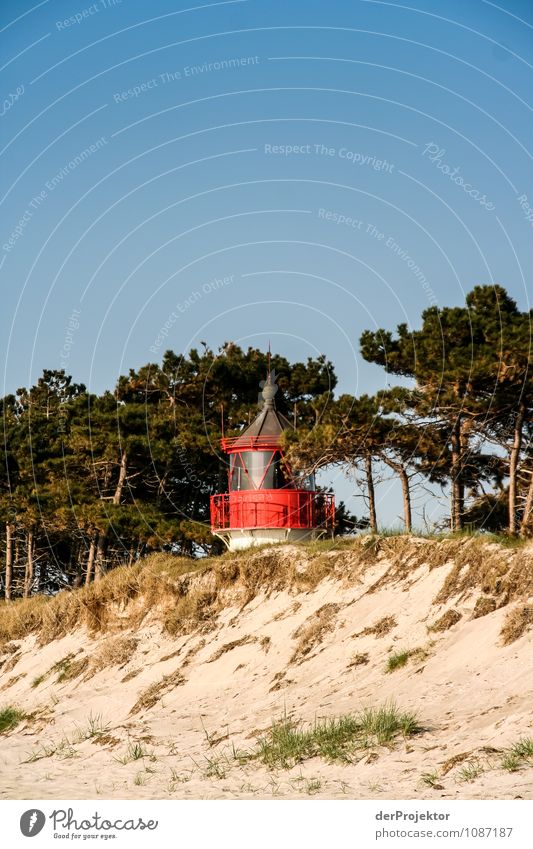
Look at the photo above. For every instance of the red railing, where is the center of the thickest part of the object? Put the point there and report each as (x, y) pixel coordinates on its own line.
(246, 442)
(272, 508)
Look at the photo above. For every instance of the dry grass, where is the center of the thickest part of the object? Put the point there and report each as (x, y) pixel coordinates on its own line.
(379, 629)
(290, 611)
(11, 662)
(265, 643)
(484, 605)
(186, 595)
(452, 762)
(360, 659)
(446, 621)
(134, 590)
(11, 681)
(517, 622)
(230, 646)
(192, 609)
(130, 675)
(149, 697)
(67, 668)
(115, 651)
(312, 631)
(73, 669)
(493, 568)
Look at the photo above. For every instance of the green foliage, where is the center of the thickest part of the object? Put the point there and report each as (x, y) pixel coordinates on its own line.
(91, 482)
(9, 718)
(524, 748)
(473, 385)
(518, 755)
(397, 660)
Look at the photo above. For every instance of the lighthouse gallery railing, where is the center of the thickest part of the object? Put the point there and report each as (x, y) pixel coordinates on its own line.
(279, 508)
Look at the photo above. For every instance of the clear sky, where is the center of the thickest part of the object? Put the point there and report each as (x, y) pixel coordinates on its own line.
(293, 171)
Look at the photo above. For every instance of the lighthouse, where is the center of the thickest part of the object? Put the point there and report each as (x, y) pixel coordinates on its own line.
(266, 501)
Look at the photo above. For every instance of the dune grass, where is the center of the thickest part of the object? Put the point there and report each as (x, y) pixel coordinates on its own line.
(397, 660)
(335, 739)
(175, 590)
(518, 755)
(10, 717)
(156, 580)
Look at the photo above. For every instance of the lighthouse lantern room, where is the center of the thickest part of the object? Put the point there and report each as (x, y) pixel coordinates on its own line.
(266, 502)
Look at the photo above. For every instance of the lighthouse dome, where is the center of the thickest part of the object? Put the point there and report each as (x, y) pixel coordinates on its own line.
(269, 423)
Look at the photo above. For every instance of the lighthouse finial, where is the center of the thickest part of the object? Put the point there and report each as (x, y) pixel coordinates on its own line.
(269, 386)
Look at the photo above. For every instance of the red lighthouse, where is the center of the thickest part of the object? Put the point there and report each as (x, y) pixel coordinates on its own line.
(266, 502)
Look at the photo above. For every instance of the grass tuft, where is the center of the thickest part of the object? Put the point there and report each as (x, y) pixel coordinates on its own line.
(135, 752)
(511, 762)
(400, 658)
(9, 718)
(397, 660)
(470, 771)
(524, 748)
(430, 779)
(336, 739)
(95, 727)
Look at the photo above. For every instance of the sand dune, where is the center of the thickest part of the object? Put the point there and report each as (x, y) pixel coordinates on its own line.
(144, 710)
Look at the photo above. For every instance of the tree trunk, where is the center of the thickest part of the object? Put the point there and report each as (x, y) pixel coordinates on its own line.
(371, 494)
(527, 508)
(90, 560)
(100, 567)
(406, 492)
(456, 475)
(399, 469)
(10, 530)
(514, 456)
(77, 565)
(121, 478)
(28, 579)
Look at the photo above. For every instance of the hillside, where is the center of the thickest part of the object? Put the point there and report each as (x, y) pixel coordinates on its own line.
(162, 682)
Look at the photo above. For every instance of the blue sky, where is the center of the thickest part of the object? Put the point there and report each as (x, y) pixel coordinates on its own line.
(297, 172)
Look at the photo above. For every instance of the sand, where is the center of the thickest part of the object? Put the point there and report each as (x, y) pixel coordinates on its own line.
(284, 653)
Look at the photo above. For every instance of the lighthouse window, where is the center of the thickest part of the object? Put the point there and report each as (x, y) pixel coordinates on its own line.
(238, 476)
(256, 470)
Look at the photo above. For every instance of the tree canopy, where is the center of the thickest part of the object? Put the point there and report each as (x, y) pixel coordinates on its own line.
(92, 481)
